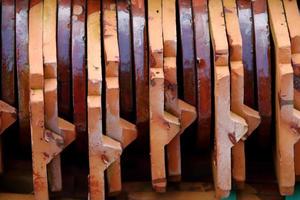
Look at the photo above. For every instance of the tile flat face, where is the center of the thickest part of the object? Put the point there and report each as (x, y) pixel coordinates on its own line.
(218, 34)
(64, 67)
(163, 125)
(36, 80)
(229, 127)
(103, 150)
(126, 64)
(36, 94)
(263, 70)
(141, 68)
(292, 17)
(78, 61)
(237, 75)
(116, 127)
(185, 112)
(285, 112)
(187, 51)
(50, 85)
(169, 56)
(170, 83)
(8, 52)
(46, 143)
(203, 71)
(246, 28)
(22, 68)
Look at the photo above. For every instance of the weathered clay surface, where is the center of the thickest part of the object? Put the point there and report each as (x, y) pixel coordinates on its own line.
(46, 144)
(50, 85)
(187, 51)
(22, 66)
(185, 112)
(116, 127)
(163, 125)
(140, 55)
(103, 150)
(8, 94)
(126, 64)
(229, 127)
(251, 116)
(287, 117)
(263, 70)
(8, 52)
(246, 29)
(78, 61)
(64, 87)
(292, 17)
(203, 70)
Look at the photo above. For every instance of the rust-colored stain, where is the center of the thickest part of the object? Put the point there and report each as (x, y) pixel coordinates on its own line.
(260, 6)
(231, 137)
(39, 183)
(104, 159)
(296, 129)
(34, 2)
(94, 185)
